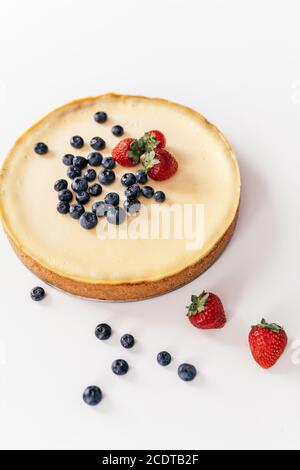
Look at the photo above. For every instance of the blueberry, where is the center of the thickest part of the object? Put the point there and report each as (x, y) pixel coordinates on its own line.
(112, 199)
(119, 367)
(94, 159)
(65, 195)
(97, 143)
(77, 142)
(95, 189)
(83, 197)
(100, 117)
(76, 211)
(92, 395)
(37, 293)
(128, 179)
(60, 185)
(103, 331)
(68, 159)
(141, 177)
(79, 185)
(116, 215)
(132, 206)
(109, 163)
(117, 130)
(133, 191)
(73, 172)
(159, 196)
(127, 341)
(40, 148)
(90, 175)
(163, 358)
(100, 208)
(63, 207)
(88, 220)
(147, 192)
(187, 372)
(107, 177)
(80, 162)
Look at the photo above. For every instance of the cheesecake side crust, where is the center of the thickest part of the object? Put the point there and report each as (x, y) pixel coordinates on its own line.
(127, 291)
(124, 291)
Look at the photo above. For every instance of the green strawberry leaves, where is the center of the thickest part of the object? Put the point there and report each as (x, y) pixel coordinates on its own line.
(270, 326)
(144, 145)
(149, 161)
(198, 303)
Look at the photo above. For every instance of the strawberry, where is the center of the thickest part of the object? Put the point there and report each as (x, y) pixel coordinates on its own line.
(160, 164)
(267, 343)
(206, 311)
(159, 137)
(123, 155)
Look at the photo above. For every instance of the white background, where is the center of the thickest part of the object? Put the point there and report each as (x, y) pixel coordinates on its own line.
(238, 63)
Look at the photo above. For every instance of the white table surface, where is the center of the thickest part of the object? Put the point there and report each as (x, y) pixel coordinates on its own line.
(237, 63)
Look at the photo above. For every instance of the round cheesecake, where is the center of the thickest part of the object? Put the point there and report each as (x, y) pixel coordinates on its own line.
(155, 251)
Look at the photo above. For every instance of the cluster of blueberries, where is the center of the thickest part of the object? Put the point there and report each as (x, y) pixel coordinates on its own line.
(84, 191)
(92, 395)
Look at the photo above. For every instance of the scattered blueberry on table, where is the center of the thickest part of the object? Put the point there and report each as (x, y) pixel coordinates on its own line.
(112, 199)
(88, 220)
(107, 177)
(100, 117)
(61, 184)
(95, 189)
(76, 211)
(109, 163)
(95, 159)
(65, 195)
(90, 175)
(141, 177)
(132, 206)
(128, 179)
(116, 215)
(80, 162)
(73, 172)
(37, 293)
(127, 341)
(92, 395)
(120, 367)
(99, 208)
(79, 184)
(41, 148)
(68, 159)
(63, 207)
(187, 372)
(97, 143)
(117, 131)
(159, 196)
(77, 142)
(163, 358)
(83, 197)
(147, 192)
(103, 331)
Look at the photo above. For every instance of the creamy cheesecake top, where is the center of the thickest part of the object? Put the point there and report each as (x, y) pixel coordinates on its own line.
(207, 181)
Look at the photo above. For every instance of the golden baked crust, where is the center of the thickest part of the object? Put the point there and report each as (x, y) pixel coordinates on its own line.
(124, 291)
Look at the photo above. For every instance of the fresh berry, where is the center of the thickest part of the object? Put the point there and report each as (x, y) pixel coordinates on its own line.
(119, 367)
(94, 159)
(160, 164)
(187, 372)
(100, 117)
(40, 148)
(88, 220)
(37, 293)
(127, 341)
(107, 177)
(141, 177)
(97, 143)
(267, 343)
(117, 130)
(123, 154)
(159, 137)
(60, 185)
(90, 175)
(159, 196)
(147, 191)
(108, 163)
(63, 207)
(68, 159)
(80, 162)
(128, 179)
(76, 211)
(99, 208)
(65, 195)
(95, 189)
(132, 206)
(83, 197)
(112, 199)
(116, 215)
(206, 311)
(132, 192)
(92, 395)
(79, 185)
(77, 142)
(103, 331)
(73, 172)
(163, 358)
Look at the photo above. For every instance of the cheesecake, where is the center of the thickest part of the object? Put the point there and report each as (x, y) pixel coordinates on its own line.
(168, 243)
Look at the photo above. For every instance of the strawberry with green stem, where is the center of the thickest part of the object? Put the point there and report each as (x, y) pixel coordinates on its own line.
(206, 311)
(267, 343)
